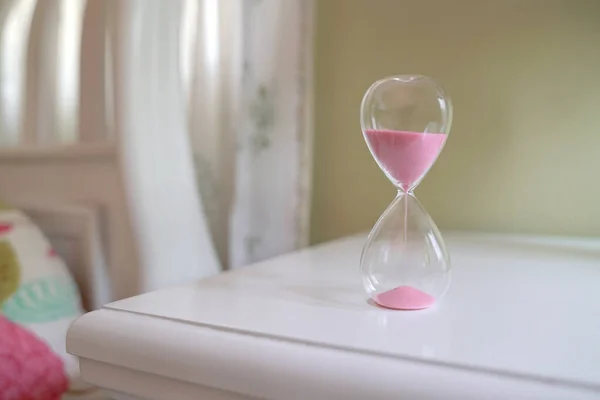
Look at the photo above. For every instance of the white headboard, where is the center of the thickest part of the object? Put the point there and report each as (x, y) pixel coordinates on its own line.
(74, 196)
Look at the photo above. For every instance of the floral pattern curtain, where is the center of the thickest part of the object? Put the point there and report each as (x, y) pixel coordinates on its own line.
(254, 157)
(271, 209)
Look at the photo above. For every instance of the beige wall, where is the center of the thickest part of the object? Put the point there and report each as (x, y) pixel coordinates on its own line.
(524, 76)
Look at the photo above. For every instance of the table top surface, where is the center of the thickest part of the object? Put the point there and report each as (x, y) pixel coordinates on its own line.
(519, 305)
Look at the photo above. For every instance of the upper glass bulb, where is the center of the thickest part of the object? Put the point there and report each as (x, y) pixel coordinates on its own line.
(405, 120)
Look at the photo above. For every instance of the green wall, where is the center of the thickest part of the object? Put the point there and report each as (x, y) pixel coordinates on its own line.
(524, 77)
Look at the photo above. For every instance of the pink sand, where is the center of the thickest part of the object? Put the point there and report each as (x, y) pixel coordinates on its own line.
(405, 298)
(406, 156)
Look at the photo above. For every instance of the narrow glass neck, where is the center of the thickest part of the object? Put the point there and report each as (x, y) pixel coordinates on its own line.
(409, 192)
(404, 188)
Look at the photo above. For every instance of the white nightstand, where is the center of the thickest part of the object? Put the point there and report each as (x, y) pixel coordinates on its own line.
(520, 321)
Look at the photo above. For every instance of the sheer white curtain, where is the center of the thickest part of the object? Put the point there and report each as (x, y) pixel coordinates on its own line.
(271, 211)
(236, 78)
(249, 89)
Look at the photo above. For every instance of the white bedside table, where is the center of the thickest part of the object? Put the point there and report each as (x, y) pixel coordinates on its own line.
(520, 321)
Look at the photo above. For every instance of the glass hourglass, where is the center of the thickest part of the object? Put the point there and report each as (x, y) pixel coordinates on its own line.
(405, 121)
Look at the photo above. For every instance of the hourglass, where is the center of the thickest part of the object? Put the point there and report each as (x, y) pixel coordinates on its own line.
(405, 121)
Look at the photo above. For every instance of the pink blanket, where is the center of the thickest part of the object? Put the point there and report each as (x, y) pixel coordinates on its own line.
(29, 370)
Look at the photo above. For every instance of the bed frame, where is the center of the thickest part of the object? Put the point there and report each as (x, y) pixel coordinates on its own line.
(121, 203)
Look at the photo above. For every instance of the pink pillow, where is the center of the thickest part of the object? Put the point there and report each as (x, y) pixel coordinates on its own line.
(29, 369)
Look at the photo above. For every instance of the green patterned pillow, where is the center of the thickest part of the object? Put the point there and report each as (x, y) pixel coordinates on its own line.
(36, 289)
